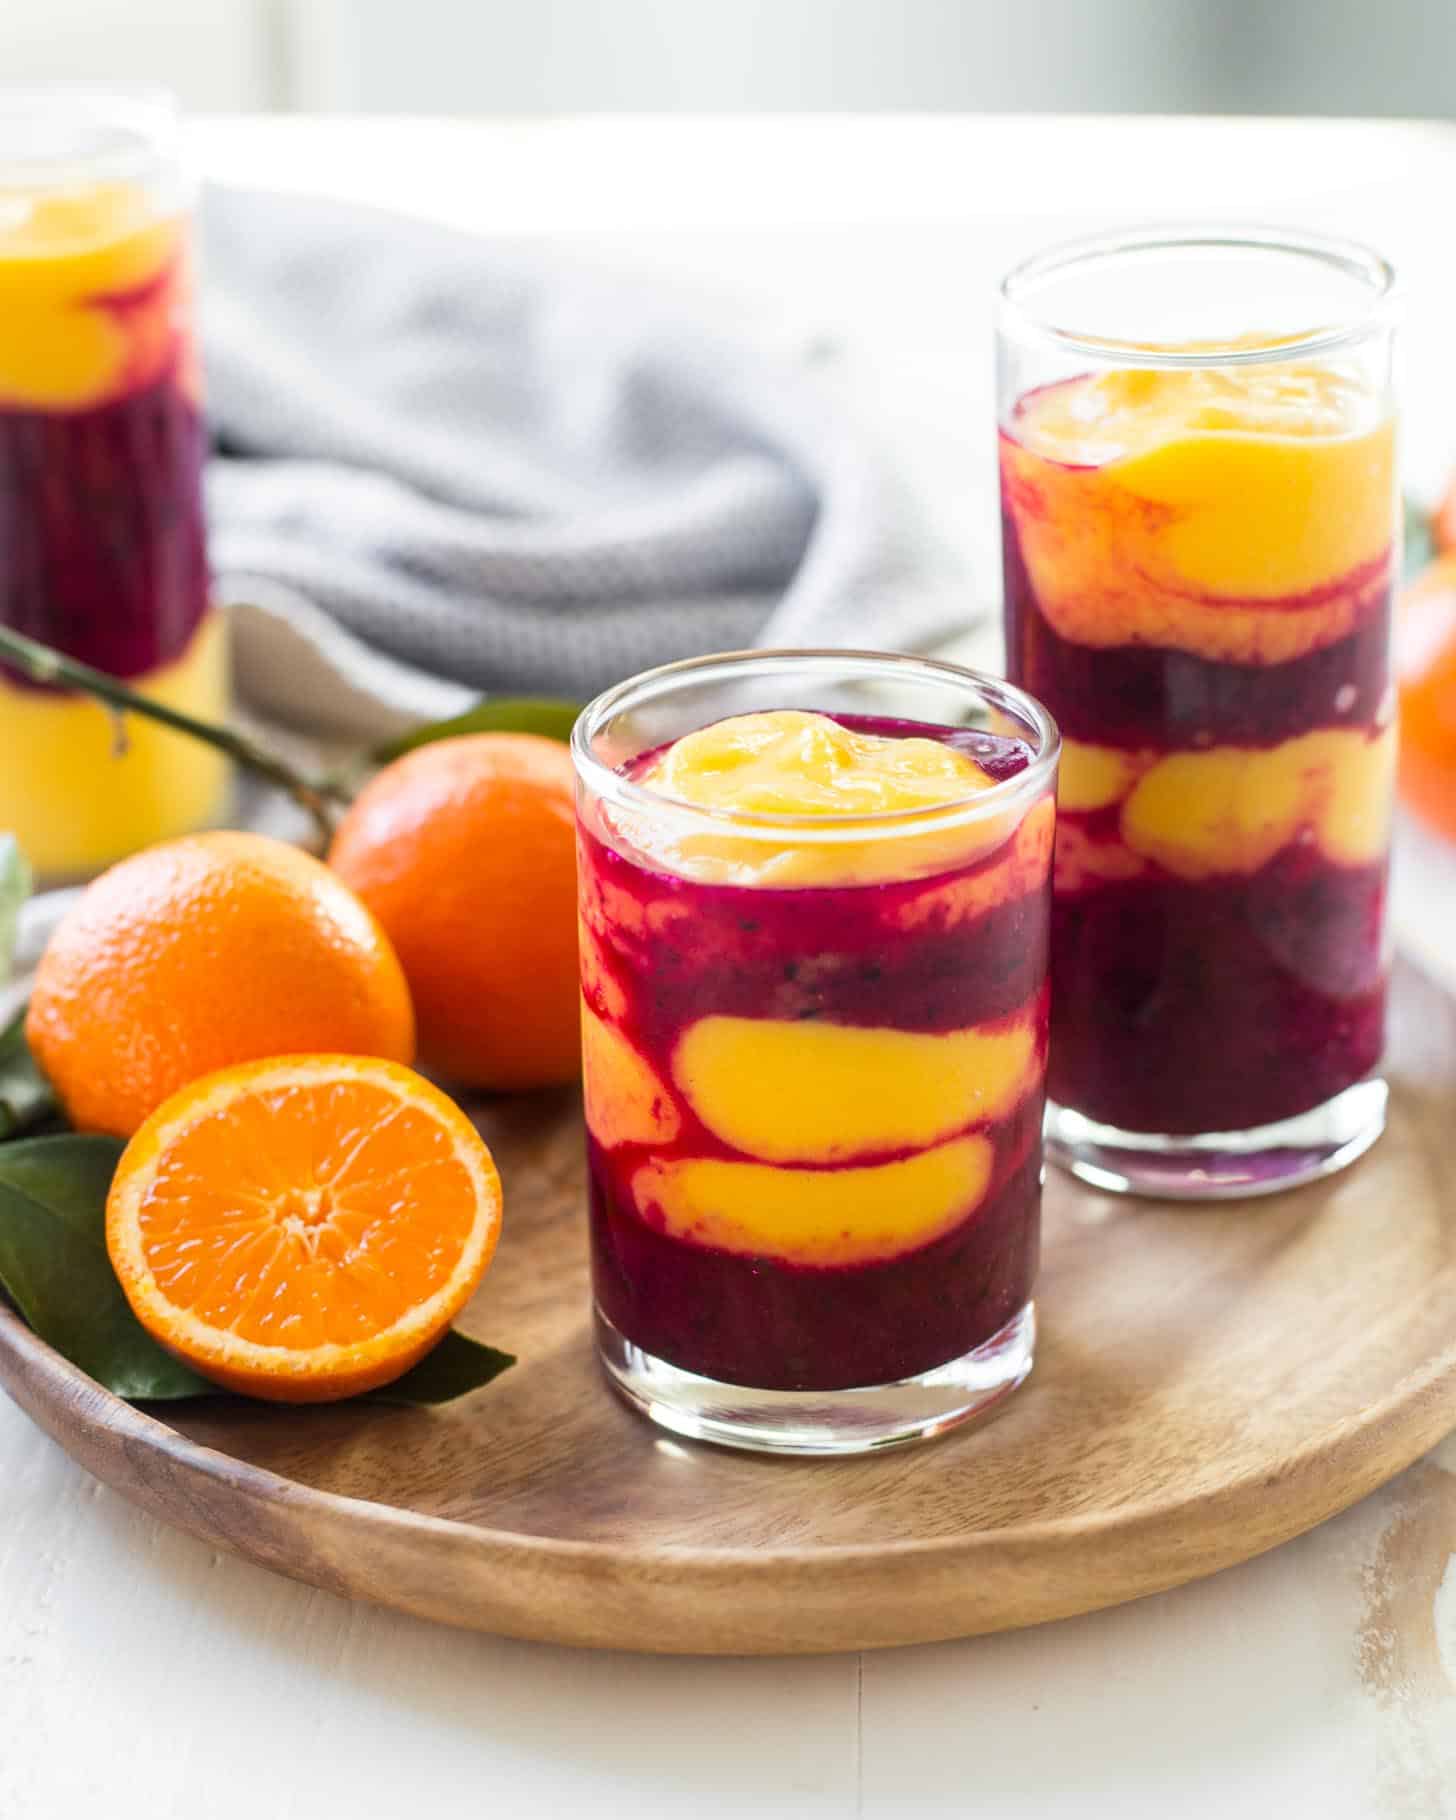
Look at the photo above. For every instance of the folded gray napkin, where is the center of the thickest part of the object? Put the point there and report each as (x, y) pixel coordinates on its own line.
(445, 466)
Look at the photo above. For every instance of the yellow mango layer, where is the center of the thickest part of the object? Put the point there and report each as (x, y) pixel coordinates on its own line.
(1094, 777)
(789, 762)
(826, 1217)
(807, 1092)
(67, 261)
(1228, 809)
(1199, 510)
(625, 1102)
(74, 802)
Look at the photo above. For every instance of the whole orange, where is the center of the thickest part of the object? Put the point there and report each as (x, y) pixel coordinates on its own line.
(201, 953)
(1426, 665)
(466, 852)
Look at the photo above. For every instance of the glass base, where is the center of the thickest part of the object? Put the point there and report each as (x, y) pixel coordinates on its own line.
(1220, 1165)
(820, 1421)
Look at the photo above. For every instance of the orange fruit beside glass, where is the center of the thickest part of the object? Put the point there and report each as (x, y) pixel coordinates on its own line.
(1426, 665)
(305, 1228)
(201, 953)
(298, 1215)
(465, 850)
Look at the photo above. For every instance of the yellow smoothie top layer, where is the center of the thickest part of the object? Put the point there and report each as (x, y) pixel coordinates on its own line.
(90, 295)
(789, 762)
(1243, 513)
(1118, 415)
(794, 763)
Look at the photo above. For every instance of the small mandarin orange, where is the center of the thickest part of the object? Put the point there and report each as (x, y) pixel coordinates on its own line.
(466, 852)
(1426, 664)
(203, 952)
(303, 1228)
(1443, 520)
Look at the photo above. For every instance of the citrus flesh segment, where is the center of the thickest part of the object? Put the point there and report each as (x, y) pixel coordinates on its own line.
(303, 1228)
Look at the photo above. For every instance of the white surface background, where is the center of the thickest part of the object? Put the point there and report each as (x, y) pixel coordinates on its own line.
(143, 1675)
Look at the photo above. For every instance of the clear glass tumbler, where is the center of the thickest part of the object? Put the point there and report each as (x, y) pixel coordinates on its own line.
(102, 551)
(814, 1056)
(1201, 524)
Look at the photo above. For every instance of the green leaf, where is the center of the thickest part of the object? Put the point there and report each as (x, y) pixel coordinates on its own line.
(54, 1268)
(1420, 542)
(548, 716)
(25, 1094)
(457, 1366)
(14, 889)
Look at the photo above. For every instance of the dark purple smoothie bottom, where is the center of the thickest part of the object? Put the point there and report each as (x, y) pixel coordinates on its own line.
(1221, 1005)
(776, 1326)
(102, 551)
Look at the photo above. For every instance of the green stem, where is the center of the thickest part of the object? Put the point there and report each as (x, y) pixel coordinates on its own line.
(44, 665)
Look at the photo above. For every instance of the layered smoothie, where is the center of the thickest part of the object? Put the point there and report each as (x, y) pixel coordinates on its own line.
(101, 531)
(1198, 567)
(814, 1070)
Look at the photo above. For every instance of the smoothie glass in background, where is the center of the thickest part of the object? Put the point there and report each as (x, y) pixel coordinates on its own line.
(1200, 523)
(815, 890)
(101, 449)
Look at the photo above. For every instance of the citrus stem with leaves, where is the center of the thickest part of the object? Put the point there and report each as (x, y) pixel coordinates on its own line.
(42, 664)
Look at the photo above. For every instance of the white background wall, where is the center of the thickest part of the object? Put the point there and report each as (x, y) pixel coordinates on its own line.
(218, 54)
(1094, 56)
(545, 56)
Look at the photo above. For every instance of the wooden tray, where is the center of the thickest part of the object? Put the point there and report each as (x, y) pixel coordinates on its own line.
(1210, 1383)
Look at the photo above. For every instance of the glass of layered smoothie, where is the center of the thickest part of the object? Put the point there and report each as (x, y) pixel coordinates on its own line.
(1200, 519)
(101, 449)
(815, 890)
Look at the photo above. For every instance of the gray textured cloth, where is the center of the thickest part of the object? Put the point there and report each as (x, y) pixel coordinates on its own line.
(507, 471)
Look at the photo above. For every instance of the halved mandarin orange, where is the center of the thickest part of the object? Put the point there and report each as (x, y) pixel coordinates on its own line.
(303, 1228)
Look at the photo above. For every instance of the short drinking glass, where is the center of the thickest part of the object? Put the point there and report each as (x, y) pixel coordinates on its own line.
(815, 891)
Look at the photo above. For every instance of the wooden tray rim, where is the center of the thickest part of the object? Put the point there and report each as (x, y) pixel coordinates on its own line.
(1425, 1398)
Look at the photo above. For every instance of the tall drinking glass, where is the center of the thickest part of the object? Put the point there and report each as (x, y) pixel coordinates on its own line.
(814, 898)
(1200, 519)
(102, 552)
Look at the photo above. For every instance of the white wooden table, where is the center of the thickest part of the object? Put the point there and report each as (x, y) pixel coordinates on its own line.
(142, 1675)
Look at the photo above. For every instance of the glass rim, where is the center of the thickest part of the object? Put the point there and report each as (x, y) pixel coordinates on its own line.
(1349, 257)
(149, 112)
(981, 805)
